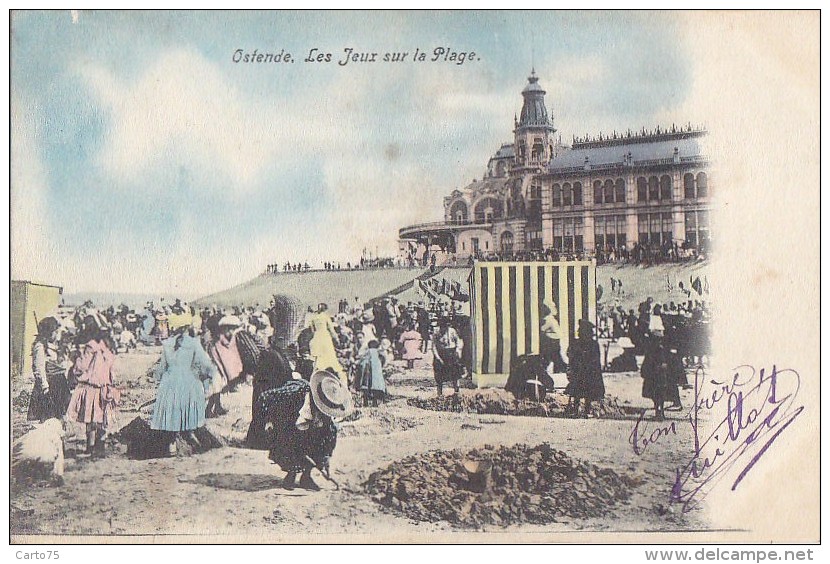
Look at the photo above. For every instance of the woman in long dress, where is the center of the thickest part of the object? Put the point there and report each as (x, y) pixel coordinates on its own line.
(297, 450)
(95, 397)
(370, 375)
(659, 383)
(185, 375)
(321, 347)
(273, 371)
(51, 393)
(585, 373)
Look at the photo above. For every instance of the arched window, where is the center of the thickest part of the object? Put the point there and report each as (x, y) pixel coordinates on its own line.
(507, 241)
(567, 195)
(500, 168)
(653, 188)
(538, 151)
(688, 185)
(702, 185)
(619, 189)
(665, 187)
(608, 191)
(642, 189)
(597, 192)
(577, 193)
(488, 209)
(458, 212)
(557, 195)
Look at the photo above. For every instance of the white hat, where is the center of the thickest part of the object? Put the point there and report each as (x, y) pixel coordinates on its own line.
(625, 343)
(230, 321)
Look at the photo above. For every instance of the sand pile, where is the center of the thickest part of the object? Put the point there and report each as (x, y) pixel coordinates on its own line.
(374, 421)
(500, 402)
(525, 484)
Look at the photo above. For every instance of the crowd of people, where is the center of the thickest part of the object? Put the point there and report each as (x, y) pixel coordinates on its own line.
(667, 338)
(301, 387)
(362, 264)
(650, 253)
(298, 390)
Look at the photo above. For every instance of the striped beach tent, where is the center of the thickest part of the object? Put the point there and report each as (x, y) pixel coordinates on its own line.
(507, 310)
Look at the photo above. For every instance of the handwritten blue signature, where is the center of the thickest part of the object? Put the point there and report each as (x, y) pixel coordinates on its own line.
(760, 405)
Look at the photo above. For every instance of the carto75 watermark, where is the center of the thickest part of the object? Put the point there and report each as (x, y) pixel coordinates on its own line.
(36, 555)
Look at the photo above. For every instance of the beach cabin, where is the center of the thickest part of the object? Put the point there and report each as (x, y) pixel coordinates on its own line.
(507, 310)
(31, 302)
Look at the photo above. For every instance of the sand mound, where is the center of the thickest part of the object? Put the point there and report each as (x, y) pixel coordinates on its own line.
(374, 421)
(526, 485)
(499, 402)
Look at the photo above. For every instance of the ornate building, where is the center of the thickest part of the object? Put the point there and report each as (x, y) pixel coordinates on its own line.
(599, 194)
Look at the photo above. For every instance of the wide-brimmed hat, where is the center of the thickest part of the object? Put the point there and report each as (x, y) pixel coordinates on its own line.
(625, 343)
(330, 395)
(230, 321)
(368, 316)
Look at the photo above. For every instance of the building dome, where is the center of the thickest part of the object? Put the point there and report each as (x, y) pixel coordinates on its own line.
(534, 113)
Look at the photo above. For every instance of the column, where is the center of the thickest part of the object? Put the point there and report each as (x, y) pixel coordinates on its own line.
(588, 230)
(547, 230)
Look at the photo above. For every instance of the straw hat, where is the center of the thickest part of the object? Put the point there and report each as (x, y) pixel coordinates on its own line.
(368, 316)
(330, 395)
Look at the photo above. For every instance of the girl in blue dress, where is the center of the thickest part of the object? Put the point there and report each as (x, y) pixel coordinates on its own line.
(185, 374)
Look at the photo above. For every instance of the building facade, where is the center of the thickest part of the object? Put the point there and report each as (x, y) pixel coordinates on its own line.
(601, 196)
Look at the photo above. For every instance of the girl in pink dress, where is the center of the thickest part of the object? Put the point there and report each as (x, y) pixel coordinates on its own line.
(95, 397)
(411, 343)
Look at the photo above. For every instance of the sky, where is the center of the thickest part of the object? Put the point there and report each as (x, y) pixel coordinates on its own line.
(144, 159)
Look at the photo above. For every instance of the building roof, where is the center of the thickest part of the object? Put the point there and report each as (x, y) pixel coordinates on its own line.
(506, 151)
(491, 185)
(637, 150)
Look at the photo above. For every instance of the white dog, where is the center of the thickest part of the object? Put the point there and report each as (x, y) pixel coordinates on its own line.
(38, 455)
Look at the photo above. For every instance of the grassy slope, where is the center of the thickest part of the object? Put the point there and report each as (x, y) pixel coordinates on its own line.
(314, 287)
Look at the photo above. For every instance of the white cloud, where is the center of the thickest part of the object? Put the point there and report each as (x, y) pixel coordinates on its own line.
(32, 252)
(184, 110)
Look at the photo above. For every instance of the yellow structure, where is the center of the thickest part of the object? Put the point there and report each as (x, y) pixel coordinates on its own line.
(31, 302)
(510, 301)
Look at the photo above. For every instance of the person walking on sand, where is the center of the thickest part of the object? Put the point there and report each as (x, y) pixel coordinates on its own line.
(446, 353)
(585, 373)
(185, 375)
(95, 398)
(370, 375)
